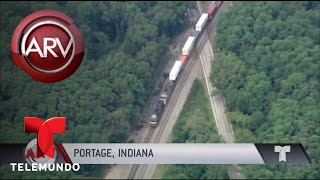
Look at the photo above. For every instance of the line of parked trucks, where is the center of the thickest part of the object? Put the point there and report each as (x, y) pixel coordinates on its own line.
(179, 64)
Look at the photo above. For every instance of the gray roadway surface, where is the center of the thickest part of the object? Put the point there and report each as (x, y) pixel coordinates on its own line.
(199, 65)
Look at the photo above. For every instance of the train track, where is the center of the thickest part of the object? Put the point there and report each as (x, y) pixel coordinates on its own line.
(135, 166)
(164, 119)
(173, 97)
(169, 108)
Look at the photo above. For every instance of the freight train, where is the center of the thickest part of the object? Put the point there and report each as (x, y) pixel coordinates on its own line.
(179, 64)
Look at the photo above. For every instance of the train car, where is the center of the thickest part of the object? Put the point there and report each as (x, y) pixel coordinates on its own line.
(218, 3)
(163, 100)
(183, 59)
(155, 117)
(213, 8)
(164, 97)
(188, 46)
(179, 64)
(175, 71)
(196, 35)
(201, 22)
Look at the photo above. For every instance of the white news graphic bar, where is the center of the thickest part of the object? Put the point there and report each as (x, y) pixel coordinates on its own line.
(165, 153)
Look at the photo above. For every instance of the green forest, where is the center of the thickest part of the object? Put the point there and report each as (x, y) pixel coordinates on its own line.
(267, 68)
(125, 43)
(196, 125)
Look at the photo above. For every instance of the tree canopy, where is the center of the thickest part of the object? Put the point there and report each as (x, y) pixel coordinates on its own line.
(268, 70)
(125, 42)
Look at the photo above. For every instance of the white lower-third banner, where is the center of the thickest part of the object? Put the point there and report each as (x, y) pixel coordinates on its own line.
(178, 153)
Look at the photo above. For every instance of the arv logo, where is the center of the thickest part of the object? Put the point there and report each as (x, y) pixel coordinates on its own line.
(48, 46)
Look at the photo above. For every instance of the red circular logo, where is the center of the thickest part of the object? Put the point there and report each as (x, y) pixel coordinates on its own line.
(48, 46)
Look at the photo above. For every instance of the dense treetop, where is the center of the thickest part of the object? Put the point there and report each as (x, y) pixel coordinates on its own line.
(124, 43)
(268, 70)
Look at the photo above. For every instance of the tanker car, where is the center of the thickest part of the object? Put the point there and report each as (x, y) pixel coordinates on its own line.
(179, 64)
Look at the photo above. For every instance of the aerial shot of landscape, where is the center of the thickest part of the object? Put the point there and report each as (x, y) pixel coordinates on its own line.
(175, 72)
